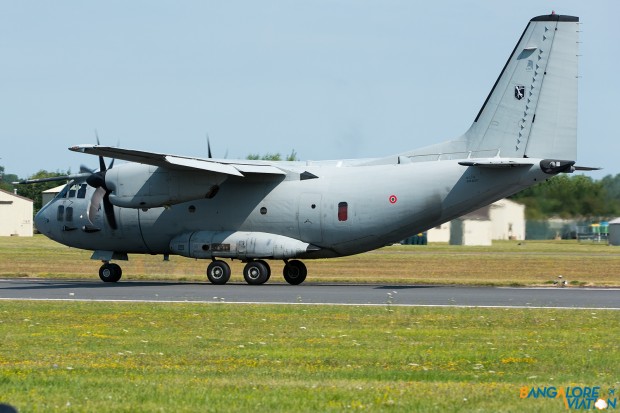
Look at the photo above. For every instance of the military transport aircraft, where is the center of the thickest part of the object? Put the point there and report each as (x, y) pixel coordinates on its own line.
(253, 211)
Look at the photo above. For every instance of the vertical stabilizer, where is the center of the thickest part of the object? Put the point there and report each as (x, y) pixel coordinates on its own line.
(532, 108)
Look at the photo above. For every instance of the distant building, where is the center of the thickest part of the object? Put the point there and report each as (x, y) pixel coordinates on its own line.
(474, 228)
(49, 194)
(440, 233)
(614, 232)
(508, 220)
(15, 215)
(502, 220)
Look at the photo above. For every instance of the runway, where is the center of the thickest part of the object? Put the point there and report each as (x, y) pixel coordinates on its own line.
(311, 294)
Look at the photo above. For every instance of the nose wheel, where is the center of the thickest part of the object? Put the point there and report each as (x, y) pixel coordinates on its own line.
(110, 272)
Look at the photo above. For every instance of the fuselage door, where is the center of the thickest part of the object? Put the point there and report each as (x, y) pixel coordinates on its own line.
(309, 216)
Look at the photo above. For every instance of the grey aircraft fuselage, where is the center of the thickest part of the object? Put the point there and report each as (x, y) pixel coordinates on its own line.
(384, 204)
(525, 132)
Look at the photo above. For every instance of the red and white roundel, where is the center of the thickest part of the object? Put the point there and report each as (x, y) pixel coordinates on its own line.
(393, 199)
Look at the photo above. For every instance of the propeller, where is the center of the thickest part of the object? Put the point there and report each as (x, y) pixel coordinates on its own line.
(102, 192)
(209, 155)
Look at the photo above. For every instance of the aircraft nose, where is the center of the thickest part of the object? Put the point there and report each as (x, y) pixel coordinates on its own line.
(41, 221)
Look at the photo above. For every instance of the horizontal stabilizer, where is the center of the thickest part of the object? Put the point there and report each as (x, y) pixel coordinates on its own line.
(497, 162)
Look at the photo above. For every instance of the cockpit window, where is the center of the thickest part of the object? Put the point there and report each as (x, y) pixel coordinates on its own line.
(75, 189)
(82, 191)
(63, 193)
(61, 213)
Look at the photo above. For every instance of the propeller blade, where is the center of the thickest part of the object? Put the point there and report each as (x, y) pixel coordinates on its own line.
(65, 178)
(109, 211)
(101, 161)
(84, 169)
(209, 155)
(102, 167)
(96, 180)
(95, 204)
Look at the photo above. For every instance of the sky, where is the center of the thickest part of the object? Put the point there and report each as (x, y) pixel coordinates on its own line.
(329, 79)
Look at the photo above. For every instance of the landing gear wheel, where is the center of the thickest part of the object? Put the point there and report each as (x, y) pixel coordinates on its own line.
(218, 272)
(110, 273)
(295, 272)
(268, 268)
(256, 272)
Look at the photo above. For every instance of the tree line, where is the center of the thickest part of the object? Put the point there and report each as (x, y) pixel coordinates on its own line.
(572, 196)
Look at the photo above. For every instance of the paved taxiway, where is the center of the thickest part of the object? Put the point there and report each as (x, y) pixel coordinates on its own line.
(310, 294)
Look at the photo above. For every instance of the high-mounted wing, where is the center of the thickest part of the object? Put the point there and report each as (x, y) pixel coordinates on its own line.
(178, 162)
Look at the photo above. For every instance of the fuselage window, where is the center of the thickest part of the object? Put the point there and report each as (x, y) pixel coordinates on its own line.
(61, 212)
(82, 191)
(69, 214)
(343, 211)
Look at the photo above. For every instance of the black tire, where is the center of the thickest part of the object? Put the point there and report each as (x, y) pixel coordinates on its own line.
(110, 273)
(295, 272)
(255, 273)
(266, 266)
(218, 272)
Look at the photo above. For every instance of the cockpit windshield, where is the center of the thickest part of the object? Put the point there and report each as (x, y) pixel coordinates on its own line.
(73, 190)
(63, 193)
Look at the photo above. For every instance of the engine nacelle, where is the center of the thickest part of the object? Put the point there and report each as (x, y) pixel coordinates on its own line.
(237, 244)
(135, 185)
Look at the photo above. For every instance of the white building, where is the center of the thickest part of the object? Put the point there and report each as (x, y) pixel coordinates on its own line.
(502, 220)
(474, 228)
(439, 234)
(15, 215)
(508, 220)
(49, 194)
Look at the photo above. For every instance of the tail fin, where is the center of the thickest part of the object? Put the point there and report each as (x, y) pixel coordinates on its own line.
(532, 109)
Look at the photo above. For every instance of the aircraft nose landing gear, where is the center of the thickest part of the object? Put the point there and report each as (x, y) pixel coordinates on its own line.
(110, 272)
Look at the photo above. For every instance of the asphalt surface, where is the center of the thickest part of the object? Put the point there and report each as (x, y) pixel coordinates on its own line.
(343, 294)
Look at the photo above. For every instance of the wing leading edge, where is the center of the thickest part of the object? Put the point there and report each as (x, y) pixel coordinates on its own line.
(178, 162)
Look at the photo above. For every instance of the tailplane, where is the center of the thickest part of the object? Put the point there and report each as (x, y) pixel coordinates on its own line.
(531, 111)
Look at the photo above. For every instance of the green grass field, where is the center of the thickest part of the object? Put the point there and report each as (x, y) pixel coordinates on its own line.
(87, 357)
(505, 263)
(220, 357)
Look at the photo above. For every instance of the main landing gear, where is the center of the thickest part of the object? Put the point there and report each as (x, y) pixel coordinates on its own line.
(110, 272)
(257, 272)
